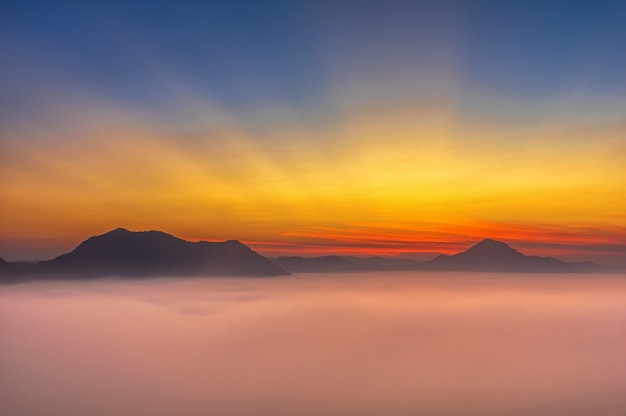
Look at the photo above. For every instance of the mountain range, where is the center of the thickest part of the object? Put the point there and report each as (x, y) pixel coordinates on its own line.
(495, 256)
(324, 264)
(486, 256)
(154, 253)
(151, 253)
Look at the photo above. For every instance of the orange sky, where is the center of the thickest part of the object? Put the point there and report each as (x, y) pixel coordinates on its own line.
(383, 184)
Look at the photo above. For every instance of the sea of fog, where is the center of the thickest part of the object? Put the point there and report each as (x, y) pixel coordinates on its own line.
(438, 344)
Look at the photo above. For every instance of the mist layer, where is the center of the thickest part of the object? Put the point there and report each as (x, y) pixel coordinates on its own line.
(393, 344)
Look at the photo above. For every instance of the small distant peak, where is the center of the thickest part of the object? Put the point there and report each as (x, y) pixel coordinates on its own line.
(490, 245)
(491, 242)
(119, 230)
(124, 231)
(234, 242)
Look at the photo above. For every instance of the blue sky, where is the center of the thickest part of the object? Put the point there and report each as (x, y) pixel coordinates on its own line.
(246, 54)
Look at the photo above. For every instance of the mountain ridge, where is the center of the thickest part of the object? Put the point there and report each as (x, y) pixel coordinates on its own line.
(322, 264)
(121, 252)
(490, 255)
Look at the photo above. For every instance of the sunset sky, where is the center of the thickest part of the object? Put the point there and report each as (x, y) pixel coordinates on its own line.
(316, 127)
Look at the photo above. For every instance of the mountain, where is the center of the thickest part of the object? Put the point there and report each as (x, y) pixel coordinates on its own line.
(324, 264)
(154, 253)
(10, 272)
(386, 263)
(590, 266)
(496, 256)
(4, 266)
(486, 256)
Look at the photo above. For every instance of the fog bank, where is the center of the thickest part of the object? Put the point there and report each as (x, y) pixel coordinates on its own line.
(374, 344)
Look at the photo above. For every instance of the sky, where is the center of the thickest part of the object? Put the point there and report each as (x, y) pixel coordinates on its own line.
(316, 127)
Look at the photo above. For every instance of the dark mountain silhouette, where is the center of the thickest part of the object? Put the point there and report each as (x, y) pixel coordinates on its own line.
(10, 272)
(324, 264)
(386, 263)
(590, 266)
(486, 256)
(5, 274)
(154, 253)
(496, 256)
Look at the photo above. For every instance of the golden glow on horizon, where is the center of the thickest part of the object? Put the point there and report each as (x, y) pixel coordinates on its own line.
(434, 177)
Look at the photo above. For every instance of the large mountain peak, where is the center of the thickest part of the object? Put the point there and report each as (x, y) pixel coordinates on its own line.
(154, 253)
(496, 256)
(489, 246)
